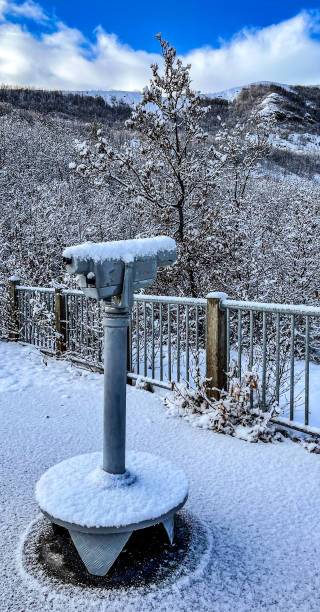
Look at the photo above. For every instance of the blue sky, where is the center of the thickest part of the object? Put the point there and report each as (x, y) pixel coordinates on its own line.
(108, 45)
(187, 24)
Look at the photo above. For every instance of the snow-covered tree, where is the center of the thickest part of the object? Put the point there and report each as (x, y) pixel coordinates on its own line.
(165, 169)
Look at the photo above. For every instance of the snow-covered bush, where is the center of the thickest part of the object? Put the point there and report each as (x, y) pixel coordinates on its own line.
(237, 411)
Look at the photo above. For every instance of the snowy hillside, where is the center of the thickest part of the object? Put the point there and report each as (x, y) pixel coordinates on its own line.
(298, 143)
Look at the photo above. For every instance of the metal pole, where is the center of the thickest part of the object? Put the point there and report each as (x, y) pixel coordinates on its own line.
(115, 323)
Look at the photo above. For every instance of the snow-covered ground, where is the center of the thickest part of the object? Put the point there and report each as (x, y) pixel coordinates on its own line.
(259, 502)
(297, 143)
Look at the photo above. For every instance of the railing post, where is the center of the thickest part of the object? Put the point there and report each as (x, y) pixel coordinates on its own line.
(13, 335)
(60, 312)
(216, 345)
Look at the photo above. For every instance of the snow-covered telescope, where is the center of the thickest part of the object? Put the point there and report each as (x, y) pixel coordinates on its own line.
(146, 490)
(102, 267)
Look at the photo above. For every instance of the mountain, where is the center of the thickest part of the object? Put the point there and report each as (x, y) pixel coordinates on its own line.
(80, 106)
(293, 113)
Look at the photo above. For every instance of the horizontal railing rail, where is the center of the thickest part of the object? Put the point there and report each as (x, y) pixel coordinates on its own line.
(167, 299)
(164, 299)
(294, 309)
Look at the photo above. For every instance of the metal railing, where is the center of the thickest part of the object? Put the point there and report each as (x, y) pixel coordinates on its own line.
(276, 337)
(35, 316)
(164, 336)
(167, 333)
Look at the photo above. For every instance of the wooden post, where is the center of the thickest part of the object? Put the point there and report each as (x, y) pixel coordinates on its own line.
(216, 347)
(60, 312)
(14, 310)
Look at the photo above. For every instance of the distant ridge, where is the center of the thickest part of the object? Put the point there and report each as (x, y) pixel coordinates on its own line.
(134, 97)
(233, 92)
(129, 97)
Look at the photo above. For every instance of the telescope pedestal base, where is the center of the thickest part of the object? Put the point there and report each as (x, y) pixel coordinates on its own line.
(101, 511)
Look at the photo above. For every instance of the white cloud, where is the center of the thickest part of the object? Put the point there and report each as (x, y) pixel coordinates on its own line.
(28, 9)
(286, 52)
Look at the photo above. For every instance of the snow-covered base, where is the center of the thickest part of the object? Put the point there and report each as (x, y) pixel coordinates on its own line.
(78, 491)
(158, 595)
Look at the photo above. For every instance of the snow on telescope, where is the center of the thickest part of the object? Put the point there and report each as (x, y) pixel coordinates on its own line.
(104, 267)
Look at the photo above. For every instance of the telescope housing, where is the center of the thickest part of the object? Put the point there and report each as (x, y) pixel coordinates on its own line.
(102, 267)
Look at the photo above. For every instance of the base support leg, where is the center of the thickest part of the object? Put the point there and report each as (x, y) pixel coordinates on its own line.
(99, 552)
(169, 527)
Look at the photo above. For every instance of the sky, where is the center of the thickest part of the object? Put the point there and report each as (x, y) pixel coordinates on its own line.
(105, 45)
